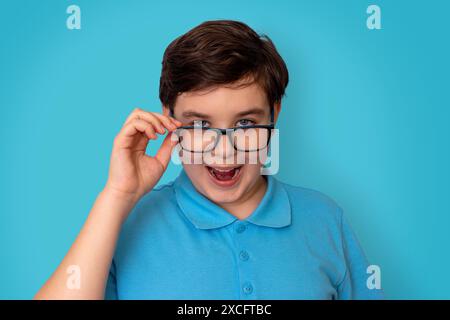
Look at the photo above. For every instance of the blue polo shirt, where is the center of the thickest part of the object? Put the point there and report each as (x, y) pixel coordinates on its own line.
(177, 244)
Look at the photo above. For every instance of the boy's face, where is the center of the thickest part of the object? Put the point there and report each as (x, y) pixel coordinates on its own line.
(224, 107)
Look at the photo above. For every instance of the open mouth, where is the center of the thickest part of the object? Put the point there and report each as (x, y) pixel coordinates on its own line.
(225, 175)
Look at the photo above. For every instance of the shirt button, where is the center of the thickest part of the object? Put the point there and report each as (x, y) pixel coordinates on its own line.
(241, 228)
(247, 288)
(243, 255)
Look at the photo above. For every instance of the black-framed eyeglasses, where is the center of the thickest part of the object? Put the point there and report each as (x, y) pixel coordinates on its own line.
(249, 138)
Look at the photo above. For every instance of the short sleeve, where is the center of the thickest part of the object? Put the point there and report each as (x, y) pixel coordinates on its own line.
(354, 283)
(111, 284)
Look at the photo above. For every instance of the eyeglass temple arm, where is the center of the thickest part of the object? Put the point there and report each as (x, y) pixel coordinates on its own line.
(271, 115)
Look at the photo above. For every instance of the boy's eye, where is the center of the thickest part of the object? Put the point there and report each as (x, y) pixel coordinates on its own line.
(245, 122)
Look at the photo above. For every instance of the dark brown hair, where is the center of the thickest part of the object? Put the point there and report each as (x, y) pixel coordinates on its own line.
(220, 53)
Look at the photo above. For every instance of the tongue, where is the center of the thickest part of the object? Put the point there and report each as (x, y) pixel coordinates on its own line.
(223, 176)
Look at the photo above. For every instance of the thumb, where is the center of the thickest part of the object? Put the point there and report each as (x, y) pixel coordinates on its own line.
(165, 151)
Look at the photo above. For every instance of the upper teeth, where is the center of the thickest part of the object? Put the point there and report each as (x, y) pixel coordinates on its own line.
(224, 170)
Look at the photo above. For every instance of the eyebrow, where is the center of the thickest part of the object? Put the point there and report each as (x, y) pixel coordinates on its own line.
(195, 114)
(251, 111)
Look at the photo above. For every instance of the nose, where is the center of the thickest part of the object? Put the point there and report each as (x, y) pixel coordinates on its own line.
(224, 150)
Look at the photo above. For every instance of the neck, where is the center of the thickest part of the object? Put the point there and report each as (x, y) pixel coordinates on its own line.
(246, 205)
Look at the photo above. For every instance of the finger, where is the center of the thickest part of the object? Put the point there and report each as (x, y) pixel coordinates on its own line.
(150, 117)
(169, 124)
(132, 115)
(176, 122)
(165, 151)
(137, 126)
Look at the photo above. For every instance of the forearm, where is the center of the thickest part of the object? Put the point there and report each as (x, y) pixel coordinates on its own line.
(92, 251)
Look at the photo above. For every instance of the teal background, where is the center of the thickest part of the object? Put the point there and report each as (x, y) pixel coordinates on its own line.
(365, 120)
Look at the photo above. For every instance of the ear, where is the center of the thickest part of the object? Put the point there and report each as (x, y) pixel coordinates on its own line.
(277, 109)
(165, 110)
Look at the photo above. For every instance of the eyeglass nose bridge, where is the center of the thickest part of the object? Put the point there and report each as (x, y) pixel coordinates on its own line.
(228, 133)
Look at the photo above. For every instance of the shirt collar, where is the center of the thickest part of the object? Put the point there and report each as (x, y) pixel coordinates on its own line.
(274, 210)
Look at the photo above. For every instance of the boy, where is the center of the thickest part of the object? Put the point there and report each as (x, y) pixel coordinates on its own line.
(221, 230)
